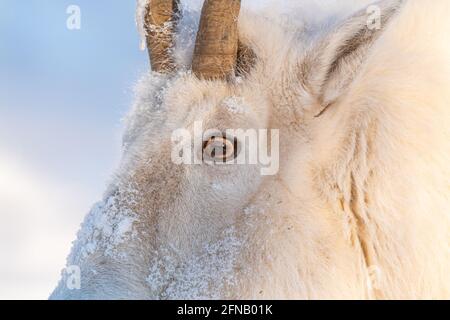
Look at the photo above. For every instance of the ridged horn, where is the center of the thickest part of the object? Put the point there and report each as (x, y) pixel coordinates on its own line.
(216, 46)
(160, 24)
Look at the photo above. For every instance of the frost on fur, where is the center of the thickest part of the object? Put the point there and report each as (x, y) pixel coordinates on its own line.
(141, 7)
(360, 206)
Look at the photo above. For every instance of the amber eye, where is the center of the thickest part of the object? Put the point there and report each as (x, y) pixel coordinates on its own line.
(220, 149)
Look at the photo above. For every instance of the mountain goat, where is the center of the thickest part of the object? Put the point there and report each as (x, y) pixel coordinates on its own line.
(358, 206)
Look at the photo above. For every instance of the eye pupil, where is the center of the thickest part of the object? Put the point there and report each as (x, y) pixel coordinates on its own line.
(219, 149)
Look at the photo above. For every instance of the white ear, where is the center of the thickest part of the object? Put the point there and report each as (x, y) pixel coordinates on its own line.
(330, 67)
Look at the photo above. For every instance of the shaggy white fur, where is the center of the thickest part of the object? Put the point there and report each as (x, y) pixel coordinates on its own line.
(361, 206)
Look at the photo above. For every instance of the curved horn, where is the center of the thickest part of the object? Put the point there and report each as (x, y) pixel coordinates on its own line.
(216, 46)
(160, 24)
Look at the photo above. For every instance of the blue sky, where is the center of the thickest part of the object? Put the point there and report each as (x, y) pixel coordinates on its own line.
(63, 92)
(62, 96)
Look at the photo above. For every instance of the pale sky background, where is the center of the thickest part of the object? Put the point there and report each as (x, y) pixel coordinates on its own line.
(62, 96)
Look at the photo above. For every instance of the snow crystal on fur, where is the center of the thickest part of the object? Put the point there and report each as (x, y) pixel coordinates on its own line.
(196, 277)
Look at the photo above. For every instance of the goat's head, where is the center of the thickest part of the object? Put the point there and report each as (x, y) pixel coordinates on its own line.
(184, 218)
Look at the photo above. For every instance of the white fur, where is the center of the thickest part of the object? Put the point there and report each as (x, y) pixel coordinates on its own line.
(359, 210)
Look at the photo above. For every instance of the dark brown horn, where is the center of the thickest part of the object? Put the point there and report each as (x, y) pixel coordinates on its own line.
(160, 23)
(216, 46)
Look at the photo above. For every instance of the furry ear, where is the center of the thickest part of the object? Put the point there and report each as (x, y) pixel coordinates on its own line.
(329, 68)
